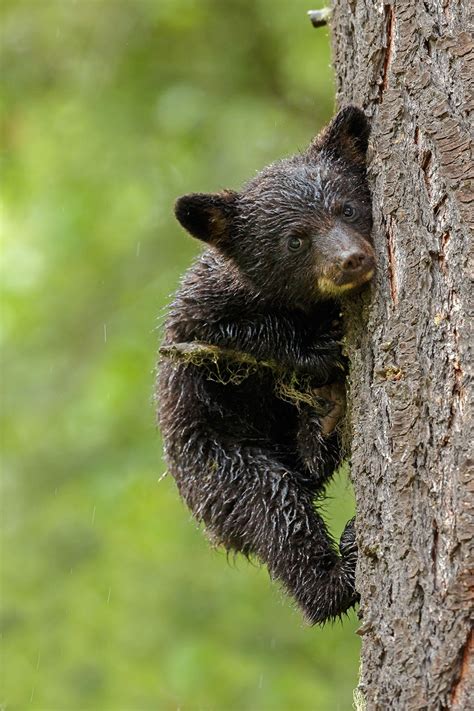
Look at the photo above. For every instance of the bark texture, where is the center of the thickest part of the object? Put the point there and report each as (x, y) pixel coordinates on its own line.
(410, 64)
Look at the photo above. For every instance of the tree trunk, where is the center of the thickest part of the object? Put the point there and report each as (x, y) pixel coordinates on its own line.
(410, 64)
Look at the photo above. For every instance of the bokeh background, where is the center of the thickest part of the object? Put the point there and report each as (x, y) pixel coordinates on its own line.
(111, 598)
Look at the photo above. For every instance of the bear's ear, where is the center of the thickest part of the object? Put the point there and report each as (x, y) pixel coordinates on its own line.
(207, 216)
(347, 136)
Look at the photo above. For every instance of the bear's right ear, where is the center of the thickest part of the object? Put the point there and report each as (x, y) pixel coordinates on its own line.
(207, 216)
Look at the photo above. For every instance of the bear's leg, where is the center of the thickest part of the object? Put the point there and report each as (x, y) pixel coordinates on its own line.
(251, 503)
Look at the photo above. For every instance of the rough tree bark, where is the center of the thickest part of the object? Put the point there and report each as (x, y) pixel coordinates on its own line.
(410, 64)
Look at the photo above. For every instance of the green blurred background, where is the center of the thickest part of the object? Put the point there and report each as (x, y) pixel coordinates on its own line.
(111, 597)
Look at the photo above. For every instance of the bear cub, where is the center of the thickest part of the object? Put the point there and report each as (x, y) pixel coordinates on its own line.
(251, 377)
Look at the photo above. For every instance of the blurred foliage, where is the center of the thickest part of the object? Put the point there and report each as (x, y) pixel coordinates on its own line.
(111, 597)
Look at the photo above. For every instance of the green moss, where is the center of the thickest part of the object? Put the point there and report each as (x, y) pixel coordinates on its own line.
(359, 700)
(229, 366)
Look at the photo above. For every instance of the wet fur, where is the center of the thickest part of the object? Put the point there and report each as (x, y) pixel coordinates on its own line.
(249, 465)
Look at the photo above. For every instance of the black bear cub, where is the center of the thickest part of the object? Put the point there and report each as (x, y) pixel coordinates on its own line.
(251, 378)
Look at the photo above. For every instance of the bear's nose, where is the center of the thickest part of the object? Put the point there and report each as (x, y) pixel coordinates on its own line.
(354, 260)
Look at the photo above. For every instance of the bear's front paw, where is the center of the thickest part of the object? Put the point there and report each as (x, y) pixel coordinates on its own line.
(334, 398)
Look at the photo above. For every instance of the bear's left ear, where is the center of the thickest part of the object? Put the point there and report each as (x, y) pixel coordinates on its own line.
(207, 216)
(347, 136)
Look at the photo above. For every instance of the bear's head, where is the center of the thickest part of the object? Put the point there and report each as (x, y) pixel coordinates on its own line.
(300, 231)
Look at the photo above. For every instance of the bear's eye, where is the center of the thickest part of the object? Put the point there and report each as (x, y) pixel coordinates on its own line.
(294, 244)
(349, 211)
